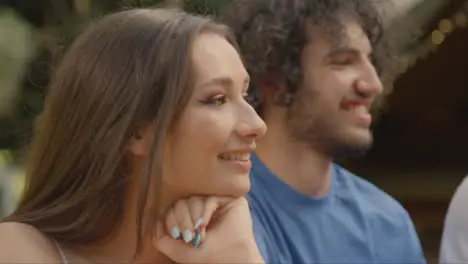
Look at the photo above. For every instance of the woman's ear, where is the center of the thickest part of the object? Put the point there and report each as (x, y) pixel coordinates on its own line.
(140, 140)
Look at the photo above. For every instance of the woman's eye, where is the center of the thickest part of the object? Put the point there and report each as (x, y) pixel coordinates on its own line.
(216, 100)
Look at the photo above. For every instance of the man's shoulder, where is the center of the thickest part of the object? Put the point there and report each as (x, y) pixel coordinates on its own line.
(388, 219)
(374, 200)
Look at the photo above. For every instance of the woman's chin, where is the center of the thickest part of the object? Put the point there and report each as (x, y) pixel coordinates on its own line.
(239, 187)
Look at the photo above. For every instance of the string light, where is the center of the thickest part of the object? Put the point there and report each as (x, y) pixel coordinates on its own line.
(445, 27)
(460, 19)
(437, 37)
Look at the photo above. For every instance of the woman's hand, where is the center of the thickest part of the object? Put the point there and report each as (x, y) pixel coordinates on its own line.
(208, 230)
(187, 218)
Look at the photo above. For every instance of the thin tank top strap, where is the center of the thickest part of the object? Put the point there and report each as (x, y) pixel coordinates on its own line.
(63, 256)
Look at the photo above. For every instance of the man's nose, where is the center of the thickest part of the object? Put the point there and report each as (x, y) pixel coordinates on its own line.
(369, 85)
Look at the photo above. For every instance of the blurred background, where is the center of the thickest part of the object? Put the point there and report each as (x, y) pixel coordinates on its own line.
(421, 142)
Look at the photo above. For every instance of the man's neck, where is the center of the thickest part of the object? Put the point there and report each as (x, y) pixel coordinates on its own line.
(305, 170)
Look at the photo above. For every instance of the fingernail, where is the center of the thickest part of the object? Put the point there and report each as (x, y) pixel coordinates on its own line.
(175, 233)
(198, 223)
(196, 241)
(187, 235)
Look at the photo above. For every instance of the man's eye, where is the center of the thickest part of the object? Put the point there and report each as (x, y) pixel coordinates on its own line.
(342, 61)
(344, 58)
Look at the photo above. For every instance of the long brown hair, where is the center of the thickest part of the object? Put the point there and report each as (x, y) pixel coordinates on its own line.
(130, 67)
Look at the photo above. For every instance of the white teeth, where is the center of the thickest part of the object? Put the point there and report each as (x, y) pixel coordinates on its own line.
(236, 156)
(360, 109)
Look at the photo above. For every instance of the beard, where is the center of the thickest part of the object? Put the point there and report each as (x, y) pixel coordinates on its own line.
(323, 131)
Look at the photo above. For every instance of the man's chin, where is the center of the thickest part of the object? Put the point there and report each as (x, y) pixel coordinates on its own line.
(352, 152)
(352, 147)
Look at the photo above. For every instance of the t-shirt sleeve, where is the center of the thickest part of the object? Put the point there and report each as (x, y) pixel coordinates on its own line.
(454, 246)
(414, 250)
(399, 242)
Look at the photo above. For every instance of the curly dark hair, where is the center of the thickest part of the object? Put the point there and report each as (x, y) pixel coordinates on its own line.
(272, 33)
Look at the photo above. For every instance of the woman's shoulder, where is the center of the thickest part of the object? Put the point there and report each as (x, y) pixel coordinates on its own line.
(21, 243)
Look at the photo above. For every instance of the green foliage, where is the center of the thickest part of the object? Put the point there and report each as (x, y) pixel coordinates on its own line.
(52, 26)
(204, 7)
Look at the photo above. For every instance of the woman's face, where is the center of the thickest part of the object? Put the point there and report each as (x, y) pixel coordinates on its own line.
(208, 150)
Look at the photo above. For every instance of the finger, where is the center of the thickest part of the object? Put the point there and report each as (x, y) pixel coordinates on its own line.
(202, 235)
(182, 214)
(171, 224)
(196, 207)
(197, 239)
(176, 250)
(212, 204)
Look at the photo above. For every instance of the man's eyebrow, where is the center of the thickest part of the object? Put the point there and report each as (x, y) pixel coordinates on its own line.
(347, 50)
(342, 49)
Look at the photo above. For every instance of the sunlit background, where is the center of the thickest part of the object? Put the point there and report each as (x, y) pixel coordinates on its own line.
(421, 133)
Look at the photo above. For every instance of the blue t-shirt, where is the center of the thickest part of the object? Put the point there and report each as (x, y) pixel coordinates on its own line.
(355, 223)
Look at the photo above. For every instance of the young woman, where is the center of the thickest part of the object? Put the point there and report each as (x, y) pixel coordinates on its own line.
(146, 109)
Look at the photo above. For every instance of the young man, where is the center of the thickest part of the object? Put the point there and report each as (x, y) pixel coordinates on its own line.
(313, 69)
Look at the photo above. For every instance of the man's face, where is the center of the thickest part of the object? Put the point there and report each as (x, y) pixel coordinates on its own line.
(331, 108)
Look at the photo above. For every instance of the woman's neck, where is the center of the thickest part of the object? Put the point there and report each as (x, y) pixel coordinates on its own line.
(122, 246)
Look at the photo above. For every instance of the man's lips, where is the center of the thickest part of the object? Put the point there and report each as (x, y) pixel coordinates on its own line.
(358, 110)
(350, 104)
